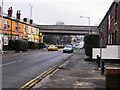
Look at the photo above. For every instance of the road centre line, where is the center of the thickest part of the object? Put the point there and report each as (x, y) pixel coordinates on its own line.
(11, 63)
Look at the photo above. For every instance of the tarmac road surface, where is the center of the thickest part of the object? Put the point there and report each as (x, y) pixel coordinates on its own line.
(20, 68)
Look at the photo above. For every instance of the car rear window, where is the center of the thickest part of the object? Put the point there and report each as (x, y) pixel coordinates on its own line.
(68, 46)
(52, 46)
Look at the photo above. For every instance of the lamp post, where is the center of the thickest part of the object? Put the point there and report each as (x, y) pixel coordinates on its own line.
(2, 30)
(30, 11)
(88, 21)
(101, 49)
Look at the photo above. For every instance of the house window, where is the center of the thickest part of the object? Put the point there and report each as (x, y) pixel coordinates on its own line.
(20, 37)
(12, 37)
(115, 37)
(108, 39)
(31, 31)
(116, 13)
(109, 21)
(16, 27)
(24, 37)
(16, 37)
(36, 31)
(5, 39)
(24, 30)
(111, 38)
(6, 25)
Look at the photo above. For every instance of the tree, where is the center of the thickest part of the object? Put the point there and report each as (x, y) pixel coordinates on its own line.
(49, 39)
(59, 23)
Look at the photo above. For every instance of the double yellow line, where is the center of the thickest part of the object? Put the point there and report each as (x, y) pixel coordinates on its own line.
(36, 80)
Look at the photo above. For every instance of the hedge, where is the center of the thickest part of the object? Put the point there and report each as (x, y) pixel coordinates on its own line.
(41, 45)
(11, 45)
(34, 45)
(21, 45)
(91, 41)
(31, 45)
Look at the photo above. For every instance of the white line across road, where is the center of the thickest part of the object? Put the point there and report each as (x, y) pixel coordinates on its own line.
(11, 63)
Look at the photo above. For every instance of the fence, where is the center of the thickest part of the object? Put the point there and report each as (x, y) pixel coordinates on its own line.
(110, 52)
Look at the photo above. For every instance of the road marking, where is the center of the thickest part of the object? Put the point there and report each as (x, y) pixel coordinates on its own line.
(11, 63)
(43, 75)
(32, 83)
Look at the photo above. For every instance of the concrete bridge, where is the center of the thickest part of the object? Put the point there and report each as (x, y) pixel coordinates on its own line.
(67, 29)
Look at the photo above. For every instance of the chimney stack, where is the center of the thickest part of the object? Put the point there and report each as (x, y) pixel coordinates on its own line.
(10, 12)
(18, 14)
(25, 19)
(0, 9)
(31, 21)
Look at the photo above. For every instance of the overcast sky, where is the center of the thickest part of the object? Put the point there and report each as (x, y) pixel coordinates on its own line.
(68, 11)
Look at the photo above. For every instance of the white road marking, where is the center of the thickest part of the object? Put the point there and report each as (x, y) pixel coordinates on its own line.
(11, 63)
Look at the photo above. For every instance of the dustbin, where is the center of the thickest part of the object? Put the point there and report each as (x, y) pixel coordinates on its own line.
(112, 77)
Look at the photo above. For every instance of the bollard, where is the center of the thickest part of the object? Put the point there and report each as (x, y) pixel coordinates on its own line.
(102, 67)
(98, 61)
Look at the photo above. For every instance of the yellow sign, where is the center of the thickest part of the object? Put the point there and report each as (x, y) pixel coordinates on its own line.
(40, 34)
(36, 37)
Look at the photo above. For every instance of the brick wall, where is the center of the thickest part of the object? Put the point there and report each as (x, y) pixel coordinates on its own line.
(114, 27)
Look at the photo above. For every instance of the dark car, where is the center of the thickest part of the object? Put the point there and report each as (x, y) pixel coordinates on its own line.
(68, 48)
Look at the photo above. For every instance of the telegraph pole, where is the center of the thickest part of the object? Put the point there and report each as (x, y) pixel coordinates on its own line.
(2, 30)
(100, 47)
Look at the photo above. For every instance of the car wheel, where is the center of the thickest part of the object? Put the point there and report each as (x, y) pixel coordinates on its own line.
(72, 51)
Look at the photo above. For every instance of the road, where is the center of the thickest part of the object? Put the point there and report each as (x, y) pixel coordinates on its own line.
(19, 68)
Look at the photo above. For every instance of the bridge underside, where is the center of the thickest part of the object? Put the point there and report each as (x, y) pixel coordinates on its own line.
(67, 29)
(65, 33)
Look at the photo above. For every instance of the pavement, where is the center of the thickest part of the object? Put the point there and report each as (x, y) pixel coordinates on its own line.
(13, 51)
(75, 73)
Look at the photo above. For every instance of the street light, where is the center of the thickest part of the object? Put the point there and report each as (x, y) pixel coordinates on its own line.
(88, 21)
(30, 11)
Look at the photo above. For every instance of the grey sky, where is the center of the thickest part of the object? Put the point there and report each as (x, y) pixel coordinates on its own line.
(68, 11)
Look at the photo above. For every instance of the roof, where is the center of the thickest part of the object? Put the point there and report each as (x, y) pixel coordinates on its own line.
(114, 2)
(13, 18)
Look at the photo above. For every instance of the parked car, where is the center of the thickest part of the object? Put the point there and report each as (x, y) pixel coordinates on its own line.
(52, 48)
(68, 48)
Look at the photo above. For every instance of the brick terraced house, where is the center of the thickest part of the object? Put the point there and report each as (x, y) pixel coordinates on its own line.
(15, 28)
(109, 28)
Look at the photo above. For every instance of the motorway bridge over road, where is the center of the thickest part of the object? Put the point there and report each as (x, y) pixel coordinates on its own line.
(67, 29)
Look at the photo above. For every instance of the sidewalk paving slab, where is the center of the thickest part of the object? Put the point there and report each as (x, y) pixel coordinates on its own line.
(75, 73)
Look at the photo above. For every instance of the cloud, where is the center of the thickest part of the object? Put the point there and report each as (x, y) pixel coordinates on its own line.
(50, 11)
